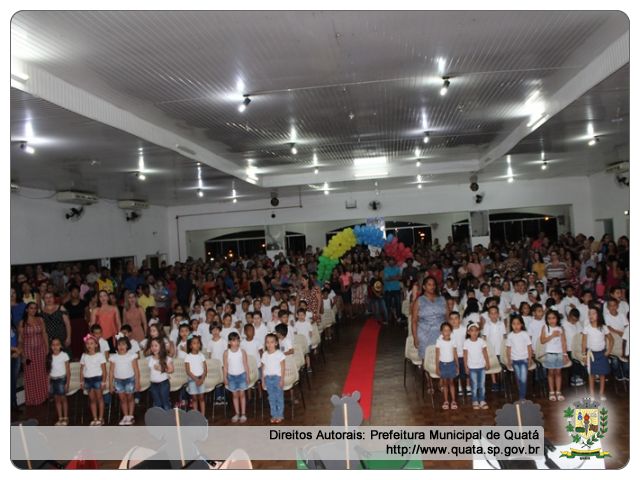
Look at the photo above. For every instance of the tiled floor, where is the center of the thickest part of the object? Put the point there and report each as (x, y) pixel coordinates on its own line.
(395, 405)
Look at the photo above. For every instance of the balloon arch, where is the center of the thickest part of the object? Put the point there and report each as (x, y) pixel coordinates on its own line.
(348, 238)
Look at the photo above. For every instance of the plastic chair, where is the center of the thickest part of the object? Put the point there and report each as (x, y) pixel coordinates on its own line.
(429, 366)
(316, 342)
(411, 357)
(178, 378)
(300, 343)
(617, 356)
(292, 380)
(74, 385)
(496, 368)
(254, 378)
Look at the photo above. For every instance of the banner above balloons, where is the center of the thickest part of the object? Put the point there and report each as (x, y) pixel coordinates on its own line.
(348, 238)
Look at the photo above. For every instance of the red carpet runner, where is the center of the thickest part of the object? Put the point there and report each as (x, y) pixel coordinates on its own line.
(363, 365)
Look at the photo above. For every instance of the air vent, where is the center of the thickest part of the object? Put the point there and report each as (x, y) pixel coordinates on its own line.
(76, 198)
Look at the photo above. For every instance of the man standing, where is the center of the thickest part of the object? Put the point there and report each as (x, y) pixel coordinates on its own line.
(392, 293)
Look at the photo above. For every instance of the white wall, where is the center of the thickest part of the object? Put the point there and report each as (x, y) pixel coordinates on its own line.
(572, 191)
(609, 201)
(40, 233)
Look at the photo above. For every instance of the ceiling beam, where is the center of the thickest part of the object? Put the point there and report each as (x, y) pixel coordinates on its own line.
(55, 90)
(612, 58)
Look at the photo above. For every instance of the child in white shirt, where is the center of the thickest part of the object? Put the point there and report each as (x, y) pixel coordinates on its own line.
(458, 336)
(124, 378)
(476, 360)
(493, 333)
(59, 377)
(519, 353)
(447, 365)
(303, 327)
(93, 378)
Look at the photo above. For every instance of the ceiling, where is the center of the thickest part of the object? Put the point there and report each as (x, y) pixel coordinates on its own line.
(341, 85)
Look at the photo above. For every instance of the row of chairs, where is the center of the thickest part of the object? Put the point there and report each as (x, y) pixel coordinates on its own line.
(427, 367)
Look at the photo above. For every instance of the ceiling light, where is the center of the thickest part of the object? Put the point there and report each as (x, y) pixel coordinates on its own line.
(316, 170)
(141, 176)
(442, 62)
(245, 103)
(544, 165)
(593, 141)
(445, 86)
(371, 174)
(200, 193)
(370, 162)
(326, 192)
(141, 163)
(418, 163)
(510, 179)
(252, 173)
(417, 152)
(235, 200)
(315, 159)
(419, 185)
(294, 150)
(532, 97)
(590, 130)
(626, 212)
(508, 159)
(233, 192)
(375, 184)
(425, 139)
(140, 149)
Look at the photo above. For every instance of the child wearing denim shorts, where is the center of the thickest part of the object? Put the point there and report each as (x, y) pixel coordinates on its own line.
(196, 369)
(93, 378)
(236, 376)
(124, 378)
(59, 376)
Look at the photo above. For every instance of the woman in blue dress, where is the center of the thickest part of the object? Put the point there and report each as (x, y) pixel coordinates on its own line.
(429, 312)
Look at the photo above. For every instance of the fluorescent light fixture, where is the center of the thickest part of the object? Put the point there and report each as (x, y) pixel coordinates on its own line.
(141, 163)
(590, 131)
(28, 130)
(370, 162)
(417, 151)
(141, 176)
(233, 192)
(510, 172)
(533, 97)
(509, 160)
(442, 63)
(534, 118)
(419, 185)
(419, 178)
(540, 122)
(425, 139)
(252, 173)
(371, 174)
(542, 155)
(315, 159)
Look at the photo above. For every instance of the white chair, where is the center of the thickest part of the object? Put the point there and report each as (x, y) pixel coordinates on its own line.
(316, 342)
(167, 330)
(617, 354)
(429, 367)
(254, 378)
(411, 357)
(74, 385)
(178, 378)
(292, 380)
(300, 343)
(145, 375)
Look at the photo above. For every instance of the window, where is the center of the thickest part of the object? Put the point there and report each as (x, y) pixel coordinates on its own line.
(249, 243)
(512, 227)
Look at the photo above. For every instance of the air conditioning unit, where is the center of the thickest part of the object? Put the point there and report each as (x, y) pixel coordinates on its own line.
(76, 198)
(132, 204)
(620, 167)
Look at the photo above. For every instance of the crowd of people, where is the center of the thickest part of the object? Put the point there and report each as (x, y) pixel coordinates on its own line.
(462, 300)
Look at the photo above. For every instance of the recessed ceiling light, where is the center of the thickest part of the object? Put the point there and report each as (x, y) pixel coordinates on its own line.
(417, 152)
(316, 170)
(593, 141)
(326, 192)
(425, 139)
(200, 193)
(418, 163)
(544, 165)
(141, 176)
(510, 179)
(235, 200)
(626, 212)
(315, 159)
(294, 150)
(420, 185)
(30, 150)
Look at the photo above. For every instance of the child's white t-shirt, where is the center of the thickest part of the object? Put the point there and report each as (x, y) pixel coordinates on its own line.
(553, 345)
(92, 364)
(519, 343)
(596, 338)
(458, 336)
(534, 329)
(260, 334)
(285, 344)
(494, 333)
(196, 363)
(58, 365)
(251, 347)
(471, 318)
(181, 349)
(527, 319)
(156, 376)
(203, 330)
(271, 325)
(303, 328)
(122, 365)
(217, 348)
(446, 348)
(570, 331)
(475, 357)
(224, 333)
(518, 298)
(135, 346)
(104, 345)
(617, 322)
(271, 363)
